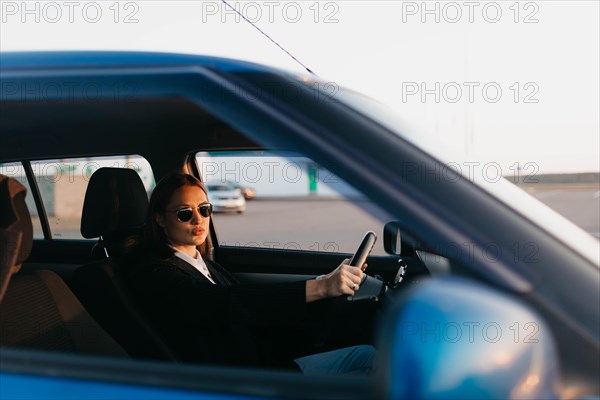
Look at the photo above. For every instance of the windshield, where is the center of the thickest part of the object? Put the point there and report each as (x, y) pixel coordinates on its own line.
(488, 176)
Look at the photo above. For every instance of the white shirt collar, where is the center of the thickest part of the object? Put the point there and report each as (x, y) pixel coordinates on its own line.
(196, 262)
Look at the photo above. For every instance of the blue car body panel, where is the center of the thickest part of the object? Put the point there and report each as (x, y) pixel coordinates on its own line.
(30, 387)
(92, 59)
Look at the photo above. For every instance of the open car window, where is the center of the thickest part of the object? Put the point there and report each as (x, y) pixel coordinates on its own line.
(283, 200)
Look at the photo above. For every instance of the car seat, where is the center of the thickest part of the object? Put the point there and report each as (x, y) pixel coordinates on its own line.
(114, 211)
(37, 309)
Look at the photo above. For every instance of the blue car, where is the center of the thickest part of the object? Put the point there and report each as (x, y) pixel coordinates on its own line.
(475, 289)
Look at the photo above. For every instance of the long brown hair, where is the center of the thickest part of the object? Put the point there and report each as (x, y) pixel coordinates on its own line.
(161, 195)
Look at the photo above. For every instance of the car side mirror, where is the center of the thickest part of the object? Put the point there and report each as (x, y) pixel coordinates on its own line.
(395, 243)
(451, 337)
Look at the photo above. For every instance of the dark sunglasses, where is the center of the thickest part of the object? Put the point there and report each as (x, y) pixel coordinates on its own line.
(185, 214)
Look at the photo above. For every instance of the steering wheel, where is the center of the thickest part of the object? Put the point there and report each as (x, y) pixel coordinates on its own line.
(370, 287)
(363, 251)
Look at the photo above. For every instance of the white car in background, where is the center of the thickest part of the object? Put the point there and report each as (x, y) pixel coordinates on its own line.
(225, 197)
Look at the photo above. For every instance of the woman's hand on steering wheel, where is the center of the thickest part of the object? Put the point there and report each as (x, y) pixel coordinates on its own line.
(344, 280)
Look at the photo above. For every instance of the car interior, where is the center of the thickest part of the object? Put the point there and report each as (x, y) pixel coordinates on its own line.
(85, 275)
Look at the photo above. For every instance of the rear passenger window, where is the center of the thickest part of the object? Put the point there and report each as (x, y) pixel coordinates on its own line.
(16, 171)
(63, 183)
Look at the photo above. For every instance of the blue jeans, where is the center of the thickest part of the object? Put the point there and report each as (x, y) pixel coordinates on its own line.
(355, 360)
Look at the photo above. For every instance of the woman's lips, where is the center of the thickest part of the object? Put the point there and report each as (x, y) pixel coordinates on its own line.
(197, 231)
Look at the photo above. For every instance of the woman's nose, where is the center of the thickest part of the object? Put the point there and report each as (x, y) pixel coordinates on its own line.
(196, 215)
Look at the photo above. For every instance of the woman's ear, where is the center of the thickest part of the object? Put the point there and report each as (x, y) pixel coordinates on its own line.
(160, 220)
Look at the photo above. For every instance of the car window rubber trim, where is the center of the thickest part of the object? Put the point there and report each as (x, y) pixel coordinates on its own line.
(37, 197)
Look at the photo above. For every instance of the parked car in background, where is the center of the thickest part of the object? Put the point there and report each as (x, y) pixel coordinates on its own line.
(248, 192)
(225, 197)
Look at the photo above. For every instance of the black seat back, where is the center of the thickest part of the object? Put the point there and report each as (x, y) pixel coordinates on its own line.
(114, 210)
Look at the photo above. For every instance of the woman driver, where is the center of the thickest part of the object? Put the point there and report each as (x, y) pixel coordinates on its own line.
(201, 308)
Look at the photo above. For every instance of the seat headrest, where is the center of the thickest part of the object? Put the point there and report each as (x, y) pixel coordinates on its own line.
(115, 202)
(16, 230)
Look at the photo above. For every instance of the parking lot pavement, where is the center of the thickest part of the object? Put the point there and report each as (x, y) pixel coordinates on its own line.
(328, 225)
(579, 206)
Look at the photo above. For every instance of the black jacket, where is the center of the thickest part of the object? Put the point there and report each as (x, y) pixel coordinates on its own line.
(221, 323)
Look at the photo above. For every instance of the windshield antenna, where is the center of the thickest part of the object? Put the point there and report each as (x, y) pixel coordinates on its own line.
(269, 37)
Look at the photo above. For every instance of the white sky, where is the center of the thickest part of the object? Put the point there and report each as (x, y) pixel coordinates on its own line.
(383, 49)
